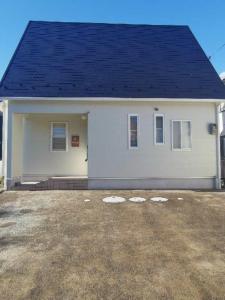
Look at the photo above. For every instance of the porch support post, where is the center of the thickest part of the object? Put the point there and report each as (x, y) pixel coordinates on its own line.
(7, 145)
(24, 144)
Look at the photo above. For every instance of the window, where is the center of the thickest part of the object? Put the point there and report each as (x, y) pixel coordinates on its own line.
(133, 128)
(159, 129)
(181, 135)
(59, 136)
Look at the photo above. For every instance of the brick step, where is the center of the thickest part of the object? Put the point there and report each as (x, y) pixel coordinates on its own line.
(54, 184)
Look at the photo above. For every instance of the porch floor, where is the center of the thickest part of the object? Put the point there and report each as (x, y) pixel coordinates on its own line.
(61, 183)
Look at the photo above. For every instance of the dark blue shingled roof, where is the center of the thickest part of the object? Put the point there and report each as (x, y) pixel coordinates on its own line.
(56, 59)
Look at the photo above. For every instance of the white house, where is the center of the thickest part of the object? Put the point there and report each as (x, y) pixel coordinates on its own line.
(125, 106)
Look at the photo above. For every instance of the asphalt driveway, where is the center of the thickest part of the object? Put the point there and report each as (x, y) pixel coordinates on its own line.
(55, 245)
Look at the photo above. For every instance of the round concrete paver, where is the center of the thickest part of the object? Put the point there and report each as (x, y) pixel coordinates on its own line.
(114, 199)
(137, 199)
(159, 199)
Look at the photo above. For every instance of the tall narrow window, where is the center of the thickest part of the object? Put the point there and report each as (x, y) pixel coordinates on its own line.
(159, 129)
(59, 136)
(181, 135)
(133, 127)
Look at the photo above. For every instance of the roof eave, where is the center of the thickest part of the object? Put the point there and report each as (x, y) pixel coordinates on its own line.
(113, 99)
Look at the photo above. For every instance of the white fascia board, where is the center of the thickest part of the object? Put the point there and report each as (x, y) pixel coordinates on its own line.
(112, 99)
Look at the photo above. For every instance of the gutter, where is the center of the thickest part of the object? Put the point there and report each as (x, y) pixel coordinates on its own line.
(113, 99)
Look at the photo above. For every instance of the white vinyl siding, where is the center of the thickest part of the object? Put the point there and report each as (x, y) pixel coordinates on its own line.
(59, 133)
(108, 152)
(133, 131)
(181, 135)
(159, 138)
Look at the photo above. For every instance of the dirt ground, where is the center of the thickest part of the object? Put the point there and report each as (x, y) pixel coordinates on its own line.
(55, 245)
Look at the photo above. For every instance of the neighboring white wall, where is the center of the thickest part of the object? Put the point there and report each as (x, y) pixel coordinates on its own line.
(109, 155)
(1, 166)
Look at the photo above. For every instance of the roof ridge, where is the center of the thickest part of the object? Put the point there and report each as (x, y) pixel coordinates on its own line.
(109, 24)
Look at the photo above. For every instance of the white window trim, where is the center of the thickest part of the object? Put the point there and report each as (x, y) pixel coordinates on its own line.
(155, 116)
(181, 149)
(138, 131)
(67, 135)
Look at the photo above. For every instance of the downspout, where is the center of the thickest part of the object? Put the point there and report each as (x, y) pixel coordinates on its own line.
(5, 141)
(218, 158)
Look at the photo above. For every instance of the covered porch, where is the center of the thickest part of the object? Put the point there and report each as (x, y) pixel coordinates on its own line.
(49, 151)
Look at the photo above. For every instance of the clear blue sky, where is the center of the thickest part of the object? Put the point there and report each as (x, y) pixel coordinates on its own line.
(206, 18)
